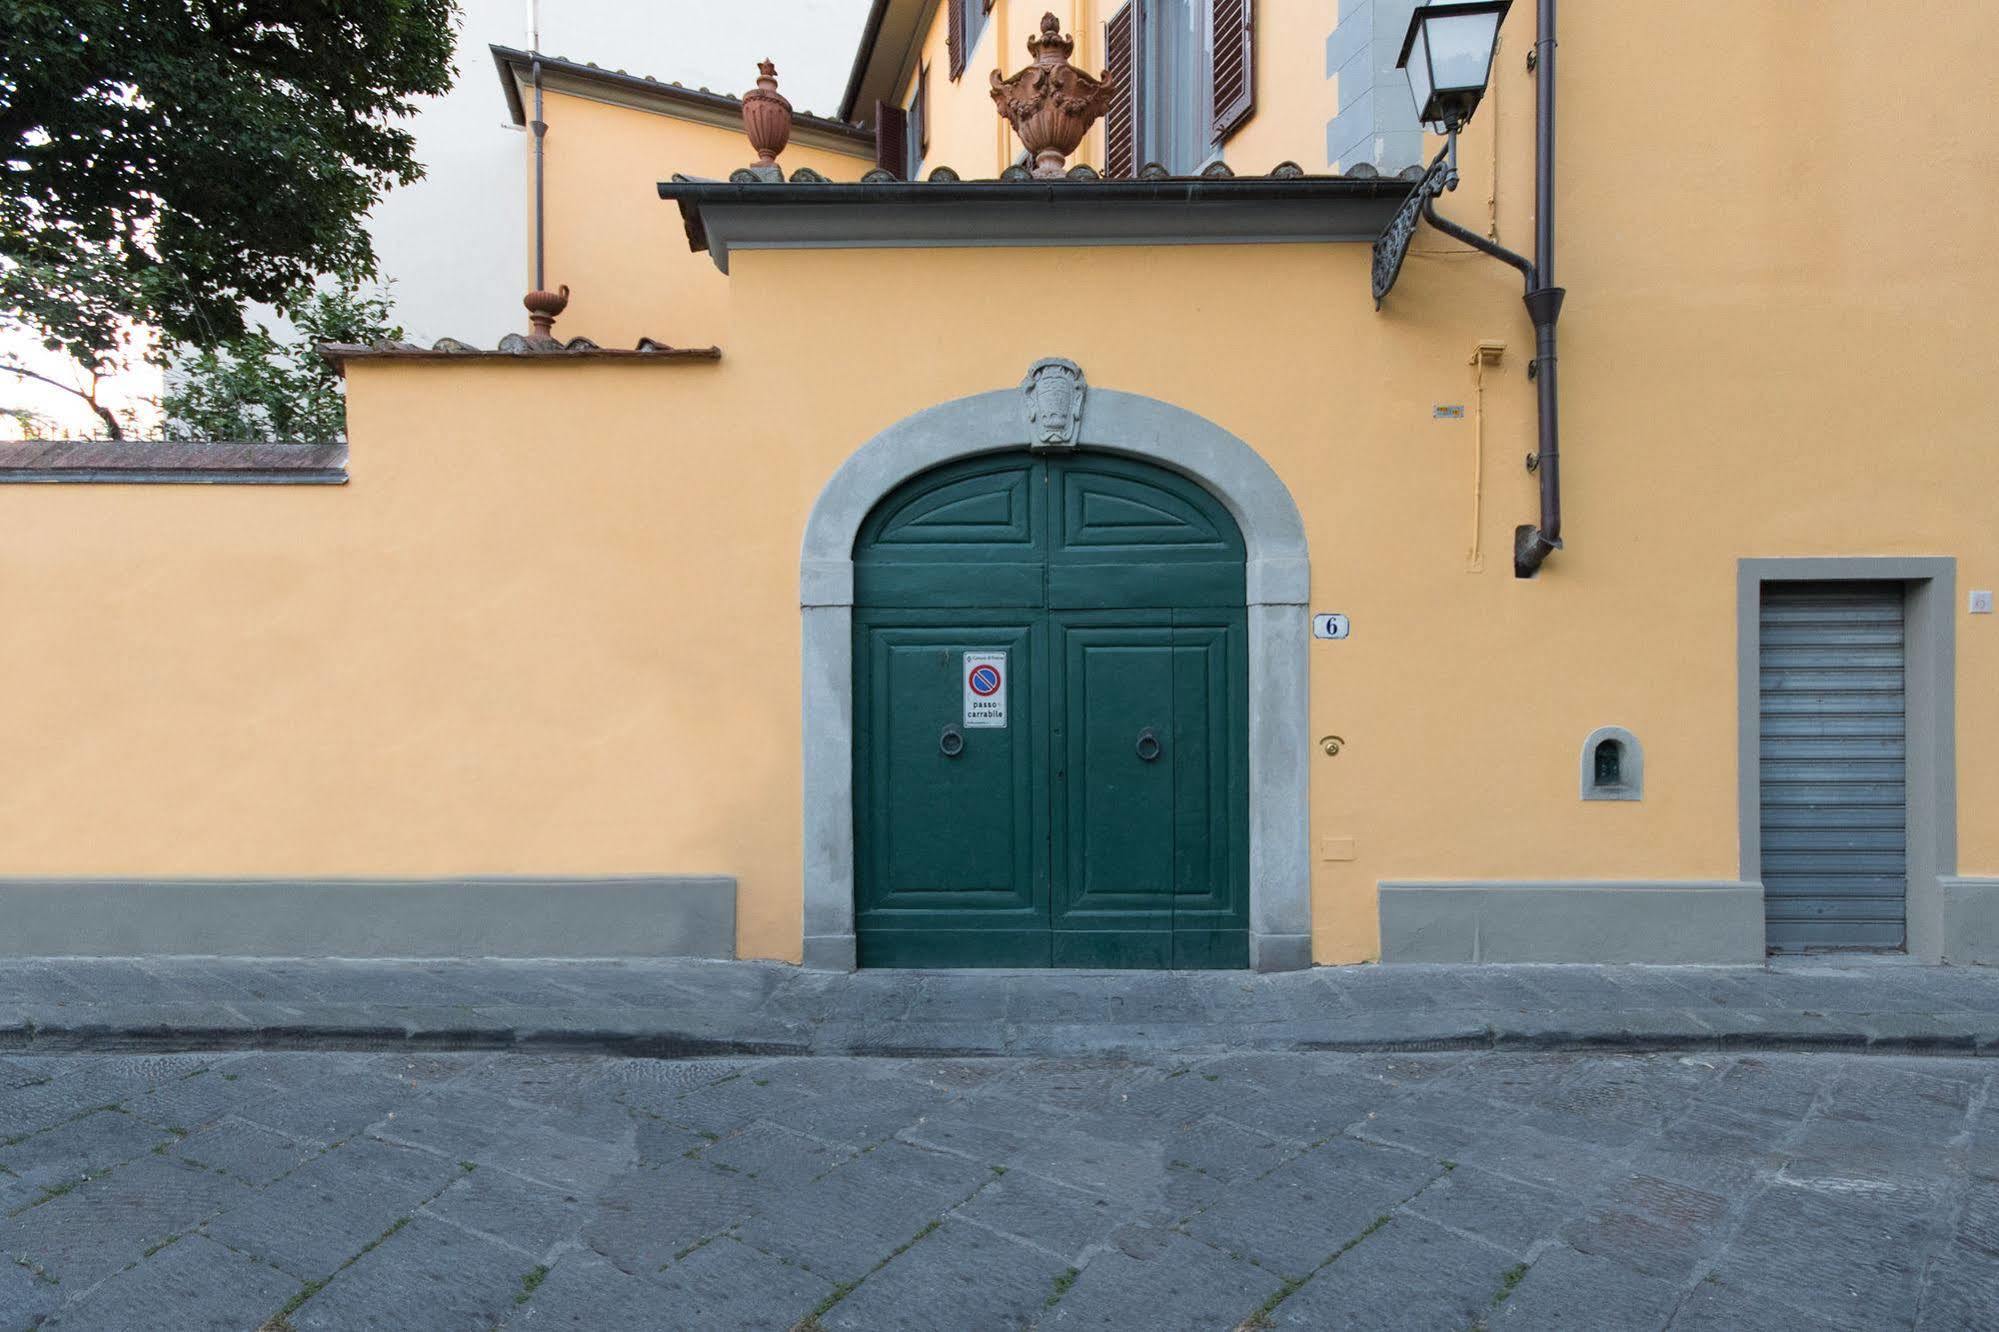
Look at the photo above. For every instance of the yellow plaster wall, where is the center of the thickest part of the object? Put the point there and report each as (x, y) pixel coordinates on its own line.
(1294, 98)
(621, 250)
(552, 628)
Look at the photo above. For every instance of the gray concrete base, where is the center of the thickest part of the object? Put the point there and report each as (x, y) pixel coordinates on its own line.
(1279, 952)
(830, 952)
(1971, 921)
(651, 916)
(1669, 922)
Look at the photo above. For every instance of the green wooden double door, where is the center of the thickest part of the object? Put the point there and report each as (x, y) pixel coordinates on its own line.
(1051, 765)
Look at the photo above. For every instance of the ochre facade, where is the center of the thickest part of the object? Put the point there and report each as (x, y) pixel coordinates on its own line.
(551, 626)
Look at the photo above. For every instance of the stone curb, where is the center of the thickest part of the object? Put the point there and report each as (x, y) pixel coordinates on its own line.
(641, 1039)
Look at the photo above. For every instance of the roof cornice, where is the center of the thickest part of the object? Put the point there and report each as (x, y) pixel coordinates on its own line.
(722, 216)
(698, 105)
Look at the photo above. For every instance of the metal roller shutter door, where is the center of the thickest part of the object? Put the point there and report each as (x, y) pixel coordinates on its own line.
(1834, 766)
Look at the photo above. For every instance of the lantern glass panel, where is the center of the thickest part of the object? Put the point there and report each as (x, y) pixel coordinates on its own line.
(1459, 50)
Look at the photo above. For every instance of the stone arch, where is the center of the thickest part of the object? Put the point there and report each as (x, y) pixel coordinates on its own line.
(1278, 585)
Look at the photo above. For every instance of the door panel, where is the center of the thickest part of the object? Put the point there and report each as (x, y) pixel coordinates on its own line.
(1116, 589)
(1212, 795)
(1114, 809)
(1129, 535)
(975, 535)
(950, 848)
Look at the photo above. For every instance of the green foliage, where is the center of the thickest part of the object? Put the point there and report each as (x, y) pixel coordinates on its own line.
(164, 163)
(258, 386)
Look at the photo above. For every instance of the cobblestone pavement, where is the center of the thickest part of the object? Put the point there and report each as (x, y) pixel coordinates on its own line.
(1470, 1190)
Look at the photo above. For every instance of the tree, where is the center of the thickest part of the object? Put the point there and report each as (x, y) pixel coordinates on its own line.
(261, 386)
(166, 162)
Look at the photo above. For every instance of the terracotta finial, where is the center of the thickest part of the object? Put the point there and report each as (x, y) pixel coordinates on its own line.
(1051, 39)
(542, 308)
(1051, 104)
(767, 116)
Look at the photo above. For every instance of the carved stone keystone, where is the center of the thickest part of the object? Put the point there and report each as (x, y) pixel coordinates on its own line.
(1051, 104)
(1054, 389)
(767, 116)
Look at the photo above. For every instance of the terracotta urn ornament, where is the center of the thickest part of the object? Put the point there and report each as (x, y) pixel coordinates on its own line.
(767, 116)
(543, 307)
(1051, 104)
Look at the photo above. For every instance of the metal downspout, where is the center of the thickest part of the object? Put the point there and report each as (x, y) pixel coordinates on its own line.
(1532, 545)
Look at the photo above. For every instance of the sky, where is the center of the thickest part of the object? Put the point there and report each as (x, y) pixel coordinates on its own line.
(452, 258)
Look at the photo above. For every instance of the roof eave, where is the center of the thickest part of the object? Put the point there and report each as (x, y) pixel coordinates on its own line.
(725, 216)
(693, 104)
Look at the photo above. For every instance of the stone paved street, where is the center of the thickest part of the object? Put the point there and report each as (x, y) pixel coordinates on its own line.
(1464, 1190)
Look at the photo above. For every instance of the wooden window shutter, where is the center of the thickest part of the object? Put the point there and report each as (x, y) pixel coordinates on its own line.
(1121, 121)
(954, 36)
(1233, 64)
(919, 110)
(892, 139)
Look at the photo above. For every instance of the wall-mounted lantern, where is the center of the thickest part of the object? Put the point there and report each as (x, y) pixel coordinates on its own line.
(1447, 57)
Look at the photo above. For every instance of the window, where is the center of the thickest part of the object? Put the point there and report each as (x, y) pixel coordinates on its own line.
(1185, 70)
(967, 20)
(1613, 765)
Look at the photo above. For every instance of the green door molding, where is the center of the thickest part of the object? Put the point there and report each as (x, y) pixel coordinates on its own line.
(1104, 825)
(1276, 576)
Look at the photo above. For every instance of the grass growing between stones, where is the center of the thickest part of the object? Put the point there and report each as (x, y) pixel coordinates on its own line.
(1060, 1286)
(811, 1323)
(1262, 1320)
(531, 1282)
(281, 1321)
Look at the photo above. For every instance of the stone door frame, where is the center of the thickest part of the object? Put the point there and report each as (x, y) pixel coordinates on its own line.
(1279, 583)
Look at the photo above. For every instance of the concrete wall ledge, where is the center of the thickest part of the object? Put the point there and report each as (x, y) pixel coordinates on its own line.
(1664, 922)
(154, 462)
(637, 916)
(1971, 921)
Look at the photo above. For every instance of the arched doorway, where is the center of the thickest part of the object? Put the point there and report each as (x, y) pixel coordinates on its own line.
(1278, 578)
(1050, 719)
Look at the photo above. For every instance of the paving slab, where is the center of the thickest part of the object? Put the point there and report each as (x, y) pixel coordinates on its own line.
(1469, 1189)
(207, 1288)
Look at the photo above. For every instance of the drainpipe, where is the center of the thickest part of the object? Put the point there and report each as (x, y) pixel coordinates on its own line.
(1532, 545)
(540, 128)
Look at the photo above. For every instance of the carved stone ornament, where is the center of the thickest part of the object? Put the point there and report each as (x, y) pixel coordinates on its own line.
(1051, 104)
(1055, 390)
(767, 116)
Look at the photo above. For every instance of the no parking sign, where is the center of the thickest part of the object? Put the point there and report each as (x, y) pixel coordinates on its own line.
(985, 690)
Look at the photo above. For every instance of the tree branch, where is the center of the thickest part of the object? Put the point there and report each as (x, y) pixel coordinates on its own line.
(89, 398)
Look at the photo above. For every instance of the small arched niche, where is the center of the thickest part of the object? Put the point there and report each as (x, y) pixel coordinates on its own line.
(1613, 765)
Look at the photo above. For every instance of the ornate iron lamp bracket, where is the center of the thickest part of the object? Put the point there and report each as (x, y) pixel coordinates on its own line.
(1392, 245)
